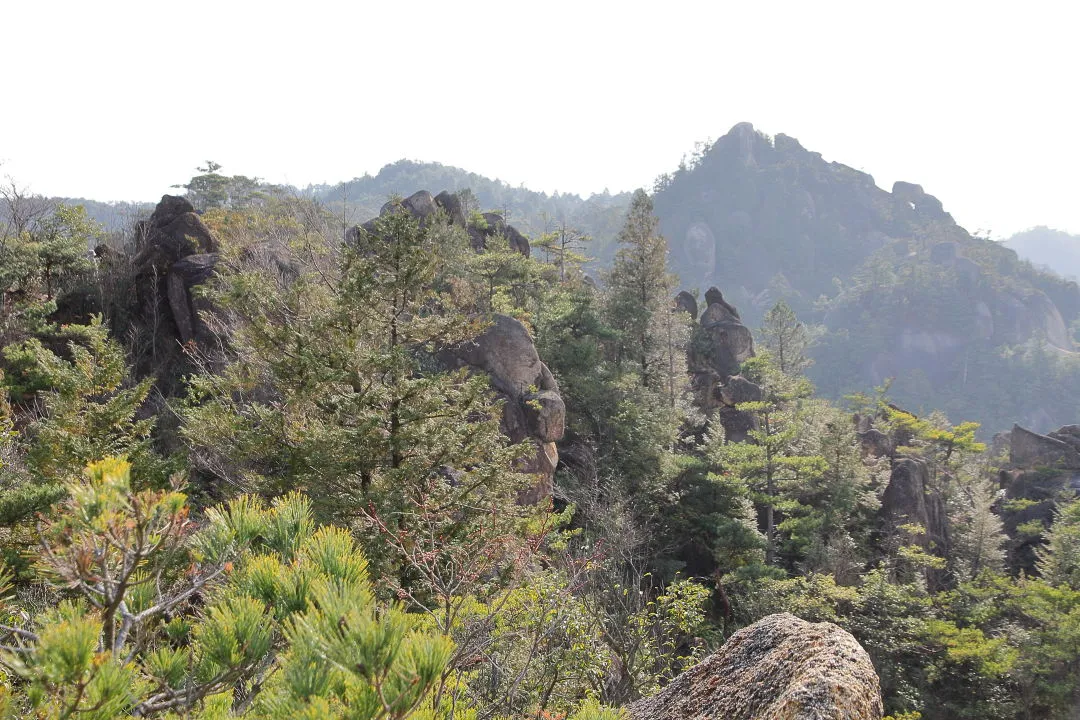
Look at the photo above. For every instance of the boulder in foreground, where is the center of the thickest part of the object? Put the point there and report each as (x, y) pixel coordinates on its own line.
(779, 668)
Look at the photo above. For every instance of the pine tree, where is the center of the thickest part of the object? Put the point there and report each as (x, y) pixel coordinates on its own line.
(563, 247)
(505, 276)
(640, 286)
(337, 388)
(90, 406)
(63, 248)
(259, 611)
(772, 463)
(787, 339)
(83, 407)
(829, 530)
(40, 261)
(1059, 559)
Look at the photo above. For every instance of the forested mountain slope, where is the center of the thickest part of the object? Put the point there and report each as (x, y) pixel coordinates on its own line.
(257, 464)
(902, 292)
(899, 290)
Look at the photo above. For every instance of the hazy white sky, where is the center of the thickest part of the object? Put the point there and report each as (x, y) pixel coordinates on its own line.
(976, 101)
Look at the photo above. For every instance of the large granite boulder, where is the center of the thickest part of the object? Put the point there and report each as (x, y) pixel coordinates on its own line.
(545, 415)
(876, 443)
(1043, 470)
(717, 313)
(533, 410)
(451, 205)
(779, 668)
(713, 296)
(1046, 319)
(687, 303)
(1018, 317)
(1068, 434)
(738, 390)
(173, 232)
(909, 197)
(1030, 450)
(493, 225)
(737, 423)
(505, 351)
(422, 206)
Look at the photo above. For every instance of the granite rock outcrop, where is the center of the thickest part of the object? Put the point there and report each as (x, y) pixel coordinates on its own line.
(779, 668)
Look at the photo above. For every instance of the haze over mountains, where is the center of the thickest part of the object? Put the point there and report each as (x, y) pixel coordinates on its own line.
(419, 378)
(899, 291)
(903, 294)
(1048, 249)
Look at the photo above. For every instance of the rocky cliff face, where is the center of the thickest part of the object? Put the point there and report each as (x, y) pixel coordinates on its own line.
(1041, 471)
(909, 498)
(779, 668)
(533, 409)
(763, 217)
(752, 209)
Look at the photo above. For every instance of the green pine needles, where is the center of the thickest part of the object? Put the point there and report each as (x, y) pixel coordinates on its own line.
(258, 613)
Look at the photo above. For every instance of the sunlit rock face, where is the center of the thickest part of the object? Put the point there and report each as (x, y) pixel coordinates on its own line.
(779, 668)
(533, 409)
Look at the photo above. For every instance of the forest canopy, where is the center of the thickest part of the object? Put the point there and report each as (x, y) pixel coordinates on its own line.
(260, 459)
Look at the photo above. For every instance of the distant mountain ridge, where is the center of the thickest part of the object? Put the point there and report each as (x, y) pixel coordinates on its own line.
(1050, 249)
(754, 213)
(534, 213)
(903, 292)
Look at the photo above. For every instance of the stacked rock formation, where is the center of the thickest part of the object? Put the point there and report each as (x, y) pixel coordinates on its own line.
(533, 409)
(176, 252)
(721, 344)
(423, 206)
(909, 498)
(779, 668)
